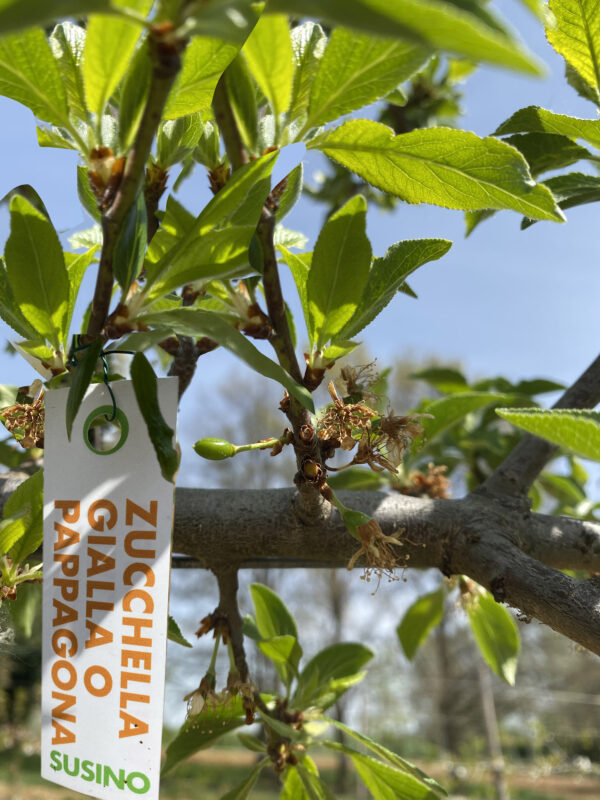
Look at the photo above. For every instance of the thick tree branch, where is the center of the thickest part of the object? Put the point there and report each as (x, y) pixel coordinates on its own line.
(493, 543)
(166, 62)
(519, 470)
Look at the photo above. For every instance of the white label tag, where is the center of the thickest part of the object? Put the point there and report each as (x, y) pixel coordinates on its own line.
(107, 551)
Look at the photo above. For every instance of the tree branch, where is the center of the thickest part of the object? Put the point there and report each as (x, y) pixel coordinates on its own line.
(493, 543)
(165, 55)
(519, 470)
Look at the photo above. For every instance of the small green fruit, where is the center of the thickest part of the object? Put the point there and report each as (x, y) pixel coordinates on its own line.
(215, 449)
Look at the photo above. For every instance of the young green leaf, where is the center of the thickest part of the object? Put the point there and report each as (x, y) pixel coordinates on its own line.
(443, 166)
(420, 619)
(76, 268)
(357, 479)
(109, 47)
(268, 51)
(130, 246)
(496, 635)
(67, 42)
(174, 633)
(577, 431)
(308, 45)
(285, 653)
(546, 151)
(242, 791)
(201, 731)
(161, 435)
(18, 14)
(575, 34)
(242, 96)
(82, 377)
(133, 94)
(535, 119)
(11, 531)
(433, 23)
(36, 271)
(314, 787)
(28, 496)
(339, 270)
(356, 70)
(384, 781)
(9, 308)
(387, 276)
(272, 615)
(30, 74)
(177, 138)
(291, 193)
(330, 672)
(445, 380)
(204, 62)
(571, 190)
(56, 137)
(388, 755)
(299, 267)
(196, 322)
(26, 607)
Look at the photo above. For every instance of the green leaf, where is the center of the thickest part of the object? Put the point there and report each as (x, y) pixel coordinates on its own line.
(285, 653)
(242, 791)
(18, 14)
(161, 435)
(546, 151)
(11, 531)
(496, 635)
(299, 267)
(384, 781)
(330, 672)
(420, 619)
(87, 198)
(174, 633)
(28, 495)
(25, 608)
(82, 377)
(339, 270)
(75, 272)
(204, 62)
(130, 246)
(433, 23)
(268, 51)
(575, 34)
(133, 94)
(443, 166)
(252, 743)
(357, 479)
(177, 138)
(314, 787)
(388, 755)
(30, 74)
(109, 47)
(449, 410)
(358, 69)
(571, 190)
(291, 193)
(8, 395)
(36, 271)
(308, 45)
(272, 615)
(55, 137)
(202, 730)
(218, 254)
(232, 20)
(9, 308)
(207, 151)
(535, 119)
(577, 431)
(67, 42)
(195, 322)
(562, 488)
(443, 379)
(174, 237)
(388, 275)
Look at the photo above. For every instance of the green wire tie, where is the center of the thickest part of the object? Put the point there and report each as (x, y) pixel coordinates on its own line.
(72, 361)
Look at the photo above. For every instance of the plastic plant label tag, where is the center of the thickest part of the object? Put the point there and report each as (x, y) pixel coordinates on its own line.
(107, 549)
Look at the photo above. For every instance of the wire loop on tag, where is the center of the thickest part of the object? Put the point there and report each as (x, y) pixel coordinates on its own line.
(72, 361)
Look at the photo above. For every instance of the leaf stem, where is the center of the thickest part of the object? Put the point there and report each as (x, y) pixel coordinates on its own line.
(227, 125)
(165, 52)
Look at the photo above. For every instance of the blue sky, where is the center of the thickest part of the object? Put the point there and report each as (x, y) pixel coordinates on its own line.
(519, 303)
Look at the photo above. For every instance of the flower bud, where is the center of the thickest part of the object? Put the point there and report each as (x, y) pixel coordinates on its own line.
(215, 449)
